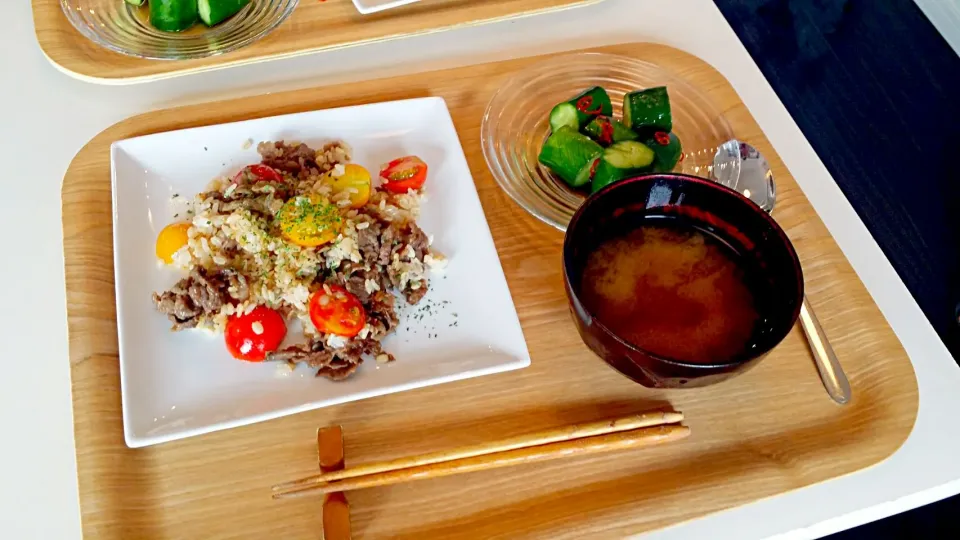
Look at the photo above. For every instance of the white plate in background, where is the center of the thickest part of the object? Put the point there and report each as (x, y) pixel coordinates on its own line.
(367, 7)
(180, 384)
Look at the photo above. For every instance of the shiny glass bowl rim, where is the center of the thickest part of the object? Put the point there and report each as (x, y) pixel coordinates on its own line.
(99, 40)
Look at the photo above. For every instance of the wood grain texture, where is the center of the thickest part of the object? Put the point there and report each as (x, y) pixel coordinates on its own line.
(314, 26)
(769, 431)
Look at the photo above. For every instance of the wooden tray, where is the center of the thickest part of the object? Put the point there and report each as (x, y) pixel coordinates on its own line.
(315, 25)
(769, 431)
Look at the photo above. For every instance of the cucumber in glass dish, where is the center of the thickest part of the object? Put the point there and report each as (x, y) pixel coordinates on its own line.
(579, 111)
(216, 11)
(173, 15)
(592, 103)
(571, 155)
(587, 172)
(564, 115)
(620, 161)
(668, 149)
(606, 131)
(648, 110)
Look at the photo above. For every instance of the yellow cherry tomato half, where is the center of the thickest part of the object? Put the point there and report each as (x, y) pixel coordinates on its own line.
(170, 240)
(355, 180)
(309, 221)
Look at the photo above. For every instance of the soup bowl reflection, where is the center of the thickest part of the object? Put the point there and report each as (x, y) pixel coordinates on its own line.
(715, 210)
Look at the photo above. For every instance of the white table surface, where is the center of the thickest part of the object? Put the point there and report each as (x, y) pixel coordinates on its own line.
(945, 16)
(47, 117)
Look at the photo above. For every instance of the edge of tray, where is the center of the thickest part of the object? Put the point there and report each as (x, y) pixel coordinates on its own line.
(900, 435)
(140, 79)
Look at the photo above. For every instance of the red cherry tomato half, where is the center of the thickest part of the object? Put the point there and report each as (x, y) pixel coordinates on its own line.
(258, 173)
(404, 174)
(337, 312)
(252, 336)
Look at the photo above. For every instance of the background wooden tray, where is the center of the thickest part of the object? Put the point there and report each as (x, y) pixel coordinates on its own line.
(314, 26)
(769, 431)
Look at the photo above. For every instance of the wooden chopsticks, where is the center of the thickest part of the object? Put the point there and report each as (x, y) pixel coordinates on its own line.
(632, 431)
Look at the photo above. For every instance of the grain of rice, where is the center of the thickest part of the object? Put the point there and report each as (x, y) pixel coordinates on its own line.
(335, 341)
(435, 260)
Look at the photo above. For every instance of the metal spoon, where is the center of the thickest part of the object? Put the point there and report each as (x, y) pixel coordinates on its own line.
(739, 166)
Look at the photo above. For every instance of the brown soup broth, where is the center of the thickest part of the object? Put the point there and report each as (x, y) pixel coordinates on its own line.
(673, 290)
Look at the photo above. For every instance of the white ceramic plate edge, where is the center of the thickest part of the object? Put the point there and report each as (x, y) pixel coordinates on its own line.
(367, 7)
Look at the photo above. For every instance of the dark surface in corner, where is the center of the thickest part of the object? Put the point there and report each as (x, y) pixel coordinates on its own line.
(876, 91)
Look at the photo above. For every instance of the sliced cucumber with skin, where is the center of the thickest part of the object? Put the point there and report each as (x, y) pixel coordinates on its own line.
(648, 110)
(137, 3)
(668, 149)
(216, 11)
(590, 104)
(622, 160)
(585, 176)
(607, 131)
(567, 152)
(629, 155)
(173, 15)
(564, 114)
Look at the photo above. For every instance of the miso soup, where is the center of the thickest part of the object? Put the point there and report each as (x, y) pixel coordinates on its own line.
(673, 291)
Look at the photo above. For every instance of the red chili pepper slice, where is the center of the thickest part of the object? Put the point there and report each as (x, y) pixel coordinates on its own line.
(584, 103)
(662, 138)
(606, 132)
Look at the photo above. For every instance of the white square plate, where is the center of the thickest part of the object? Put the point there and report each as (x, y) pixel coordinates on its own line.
(180, 384)
(372, 6)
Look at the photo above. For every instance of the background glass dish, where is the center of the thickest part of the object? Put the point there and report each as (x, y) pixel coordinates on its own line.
(126, 29)
(516, 124)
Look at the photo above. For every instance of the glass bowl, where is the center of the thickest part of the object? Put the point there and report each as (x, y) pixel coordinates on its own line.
(126, 29)
(516, 124)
